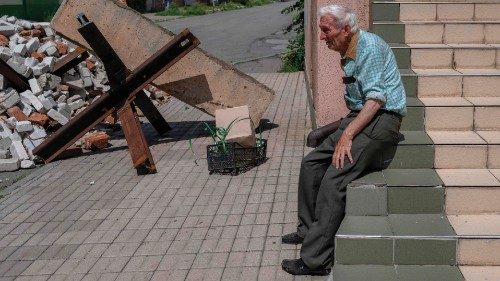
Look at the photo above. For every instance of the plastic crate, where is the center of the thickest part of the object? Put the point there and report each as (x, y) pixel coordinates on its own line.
(236, 158)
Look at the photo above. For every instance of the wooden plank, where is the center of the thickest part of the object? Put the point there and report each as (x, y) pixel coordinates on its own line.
(199, 79)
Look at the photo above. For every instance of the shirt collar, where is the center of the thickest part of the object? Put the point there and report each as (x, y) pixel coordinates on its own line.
(351, 49)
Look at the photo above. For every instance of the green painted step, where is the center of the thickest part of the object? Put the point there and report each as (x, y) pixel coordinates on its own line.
(416, 150)
(385, 12)
(414, 120)
(395, 273)
(372, 195)
(402, 52)
(391, 32)
(402, 239)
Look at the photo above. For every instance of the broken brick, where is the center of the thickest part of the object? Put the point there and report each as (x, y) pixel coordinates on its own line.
(17, 113)
(62, 48)
(111, 119)
(62, 88)
(4, 41)
(38, 56)
(90, 64)
(95, 141)
(38, 118)
(31, 33)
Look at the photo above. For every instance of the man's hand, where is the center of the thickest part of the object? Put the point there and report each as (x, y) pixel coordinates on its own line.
(344, 144)
(342, 149)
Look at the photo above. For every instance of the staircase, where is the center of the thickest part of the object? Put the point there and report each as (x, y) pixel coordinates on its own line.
(434, 214)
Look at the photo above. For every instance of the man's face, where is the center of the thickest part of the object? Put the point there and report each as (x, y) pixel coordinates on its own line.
(336, 38)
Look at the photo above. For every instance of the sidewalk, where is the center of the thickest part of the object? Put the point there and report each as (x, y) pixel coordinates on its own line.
(93, 218)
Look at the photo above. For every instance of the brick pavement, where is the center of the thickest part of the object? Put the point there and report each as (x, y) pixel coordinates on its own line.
(93, 218)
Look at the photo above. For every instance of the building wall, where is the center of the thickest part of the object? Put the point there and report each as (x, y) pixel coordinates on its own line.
(324, 74)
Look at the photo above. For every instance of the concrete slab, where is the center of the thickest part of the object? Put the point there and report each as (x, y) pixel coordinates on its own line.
(198, 79)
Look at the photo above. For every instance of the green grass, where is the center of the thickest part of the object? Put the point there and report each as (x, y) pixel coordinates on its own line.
(203, 9)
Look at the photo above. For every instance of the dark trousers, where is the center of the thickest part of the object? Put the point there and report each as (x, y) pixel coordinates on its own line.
(322, 187)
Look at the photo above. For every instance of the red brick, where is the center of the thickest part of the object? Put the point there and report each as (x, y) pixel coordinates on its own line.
(63, 88)
(31, 33)
(62, 48)
(38, 56)
(111, 119)
(95, 141)
(4, 41)
(38, 118)
(17, 113)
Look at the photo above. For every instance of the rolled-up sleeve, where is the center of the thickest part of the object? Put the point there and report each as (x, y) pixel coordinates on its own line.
(371, 74)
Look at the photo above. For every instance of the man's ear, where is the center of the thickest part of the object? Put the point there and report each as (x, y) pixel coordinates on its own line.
(346, 30)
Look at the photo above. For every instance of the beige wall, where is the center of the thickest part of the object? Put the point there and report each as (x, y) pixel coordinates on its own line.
(323, 70)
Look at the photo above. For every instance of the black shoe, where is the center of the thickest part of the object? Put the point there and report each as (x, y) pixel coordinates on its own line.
(292, 238)
(298, 267)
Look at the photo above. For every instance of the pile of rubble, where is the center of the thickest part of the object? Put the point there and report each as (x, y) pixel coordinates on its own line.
(28, 117)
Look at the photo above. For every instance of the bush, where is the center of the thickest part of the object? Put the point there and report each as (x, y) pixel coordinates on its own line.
(138, 5)
(294, 56)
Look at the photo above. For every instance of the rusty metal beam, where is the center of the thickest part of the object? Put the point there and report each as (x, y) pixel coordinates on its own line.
(136, 141)
(117, 71)
(70, 60)
(18, 81)
(117, 97)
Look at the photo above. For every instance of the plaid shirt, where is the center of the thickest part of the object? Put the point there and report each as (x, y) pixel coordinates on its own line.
(373, 65)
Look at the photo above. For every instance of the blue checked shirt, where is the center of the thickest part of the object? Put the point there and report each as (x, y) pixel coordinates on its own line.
(372, 63)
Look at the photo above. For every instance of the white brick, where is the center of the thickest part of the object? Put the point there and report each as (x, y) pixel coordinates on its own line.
(35, 87)
(45, 46)
(22, 40)
(11, 19)
(9, 165)
(26, 108)
(29, 145)
(64, 109)
(27, 164)
(38, 133)
(20, 49)
(5, 142)
(52, 51)
(48, 30)
(17, 63)
(30, 62)
(24, 126)
(57, 116)
(11, 122)
(33, 45)
(26, 24)
(75, 84)
(28, 97)
(5, 154)
(79, 103)
(18, 151)
(7, 30)
(40, 69)
(50, 61)
(5, 53)
(5, 132)
(47, 104)
(9, 98)
(54, 81)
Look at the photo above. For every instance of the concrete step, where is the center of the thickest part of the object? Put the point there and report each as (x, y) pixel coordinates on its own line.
(478, 238)
(466, 149)
(432, 32)
(423, 239)
(396, 272)
(441, 11)
(447, 56)
(480, 273)
(396, 191)
(451, 82)
(462, 114)
(471, 191)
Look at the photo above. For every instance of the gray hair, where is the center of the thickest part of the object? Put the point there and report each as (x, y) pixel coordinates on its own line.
(343, 15)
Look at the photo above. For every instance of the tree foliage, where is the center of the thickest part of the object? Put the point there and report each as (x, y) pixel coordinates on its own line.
(294, 56)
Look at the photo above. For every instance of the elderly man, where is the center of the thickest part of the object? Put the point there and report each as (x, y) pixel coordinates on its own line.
(376, 97)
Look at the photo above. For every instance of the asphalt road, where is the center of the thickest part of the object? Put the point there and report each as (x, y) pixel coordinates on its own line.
(241, 36)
